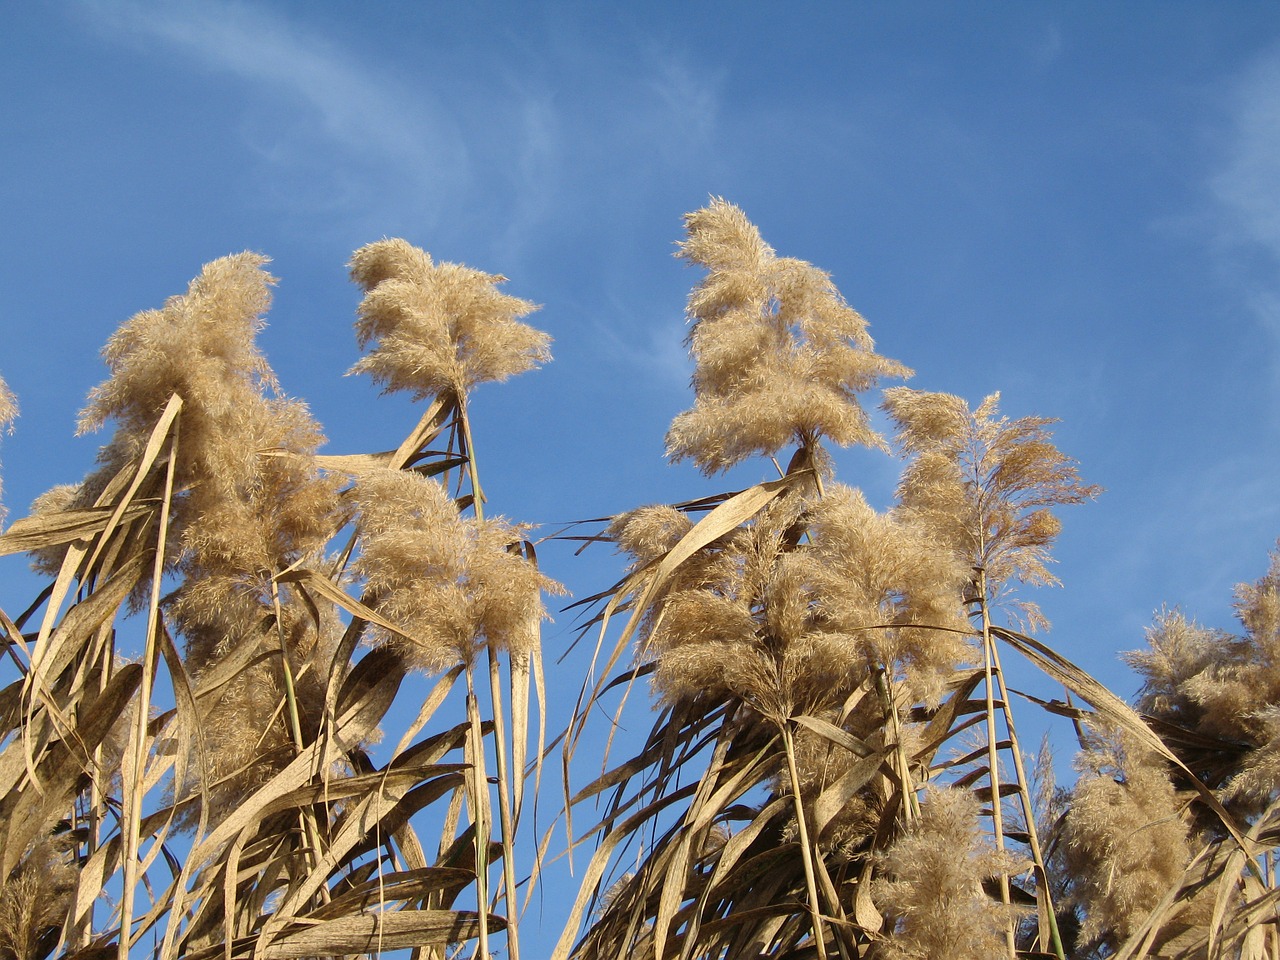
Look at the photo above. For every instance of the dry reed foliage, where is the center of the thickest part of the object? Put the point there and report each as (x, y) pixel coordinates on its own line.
(452, 584)
(438, 329)
(298, 837)
(985, 485)
(1125, 838)
(780, 357)
(932, 885)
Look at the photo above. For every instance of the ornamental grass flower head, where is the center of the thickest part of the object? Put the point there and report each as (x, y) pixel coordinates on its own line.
(984, 484)
(931, 884)
(1125, 838)
(780, 357)
(452, 583)
(787, 622)
(249, 497)
(1223, 685)
(438, 329)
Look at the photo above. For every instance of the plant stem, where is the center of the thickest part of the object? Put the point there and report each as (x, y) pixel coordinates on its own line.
(993, 755)
(1028, 813)
(806, 851)
(133, 790)
(504, 809)
(479, 802)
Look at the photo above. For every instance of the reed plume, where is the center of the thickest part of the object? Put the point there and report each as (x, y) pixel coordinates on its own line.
(932, 885)
(780, 357)
(985, 485)
(452, 583)
(1125, 840)
(438, 329)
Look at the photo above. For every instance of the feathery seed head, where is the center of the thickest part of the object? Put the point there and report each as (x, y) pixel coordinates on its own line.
(1222, 685)
(779, 355)
(932, 884)
(1124, 837)
(249, 498)
(199, 346)
(35, 899)
(984, 484)
(453, 583)
(438, 329)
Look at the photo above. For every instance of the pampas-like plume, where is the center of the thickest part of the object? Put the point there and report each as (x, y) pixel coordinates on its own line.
(780, 356)
(1222, 685)
(438, 329)
(34, 901)
(932, 885)
(788, 625)
(449, 581)
(985, 484)
(1124, 838)
(251, 500)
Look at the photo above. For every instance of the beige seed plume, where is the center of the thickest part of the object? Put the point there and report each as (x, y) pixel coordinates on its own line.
(450, 582)
(252, 499)
(438, 329)
(1223, 685)
(780, 357)
(1124, 837)
(932, 885)
(984, 484)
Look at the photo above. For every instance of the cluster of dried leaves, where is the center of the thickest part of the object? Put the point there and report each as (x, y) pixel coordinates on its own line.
(198, 759)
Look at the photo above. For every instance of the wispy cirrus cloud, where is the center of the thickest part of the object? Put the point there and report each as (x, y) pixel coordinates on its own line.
(326, 108)
(1246, 187)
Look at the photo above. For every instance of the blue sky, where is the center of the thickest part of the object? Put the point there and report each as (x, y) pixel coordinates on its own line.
(1076, 204)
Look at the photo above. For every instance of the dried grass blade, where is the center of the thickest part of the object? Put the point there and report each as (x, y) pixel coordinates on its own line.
(1116, 711)
(66, 761)
(379, 933)
(65, 526)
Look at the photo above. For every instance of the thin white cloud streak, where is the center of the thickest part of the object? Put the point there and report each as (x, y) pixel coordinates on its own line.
(553, 136)
(1248, 185)
(1247, 189)
(369, 119)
